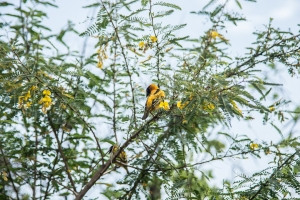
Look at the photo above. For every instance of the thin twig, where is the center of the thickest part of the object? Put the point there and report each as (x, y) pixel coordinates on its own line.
(51, 175)
(35, 166)
(9, 173)
(114, 91)
(67, 169)
(157, 53)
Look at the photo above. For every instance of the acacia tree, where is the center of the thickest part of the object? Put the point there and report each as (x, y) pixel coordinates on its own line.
(61, 112)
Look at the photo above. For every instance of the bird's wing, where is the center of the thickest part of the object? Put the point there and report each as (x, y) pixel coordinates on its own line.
(158, 96)
(155, 102)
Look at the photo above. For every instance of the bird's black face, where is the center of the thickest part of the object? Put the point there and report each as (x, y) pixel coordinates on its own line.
(110, 149)
(148, 91)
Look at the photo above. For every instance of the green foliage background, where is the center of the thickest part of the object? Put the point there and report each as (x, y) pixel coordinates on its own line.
(62, 151)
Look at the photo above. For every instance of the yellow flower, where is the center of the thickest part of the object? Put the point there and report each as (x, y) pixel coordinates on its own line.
(100, 65)
(27, 96)
(179, 104)
(210, 106)
(272, 108)
(253, 146)
(153, 38)
(47, 92)
(33, 88)
(4, 176)
(21, 98)
(141, 44)
(47, 104)
(45, 99)
(184, 121)
(164, 105)
(214, 34)
(28, 104)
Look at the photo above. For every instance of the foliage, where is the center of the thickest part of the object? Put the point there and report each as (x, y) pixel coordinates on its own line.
(62, 111)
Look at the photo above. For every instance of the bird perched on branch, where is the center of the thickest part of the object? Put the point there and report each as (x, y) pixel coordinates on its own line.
(154, 97)
(122, 157)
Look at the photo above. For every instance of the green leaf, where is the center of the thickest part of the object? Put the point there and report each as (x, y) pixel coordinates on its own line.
(217, 10)
(161, 3)
(4, 3)
(266, 94)
(48, 141)
(163, 13)
(277, 129)
(238, 3)
(208, 4)
(144, 2)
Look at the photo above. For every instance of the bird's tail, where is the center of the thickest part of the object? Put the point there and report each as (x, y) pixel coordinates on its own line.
(146, 113)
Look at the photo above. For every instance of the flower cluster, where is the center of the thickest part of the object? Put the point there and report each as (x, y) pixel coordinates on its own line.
(207, 106)
(24, 99)
(101, 56)
(46, 101)
(181, 105)
(4, 176)
(272, 108)
(164, 105)
(141, 44)
(144, 46)
(215, 35)
(153, 38)
(253, 146)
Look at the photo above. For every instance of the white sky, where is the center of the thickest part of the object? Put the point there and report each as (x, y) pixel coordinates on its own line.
(286, 15)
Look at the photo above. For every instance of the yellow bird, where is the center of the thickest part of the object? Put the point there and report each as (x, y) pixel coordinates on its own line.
(121, 158)
(154, 97)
